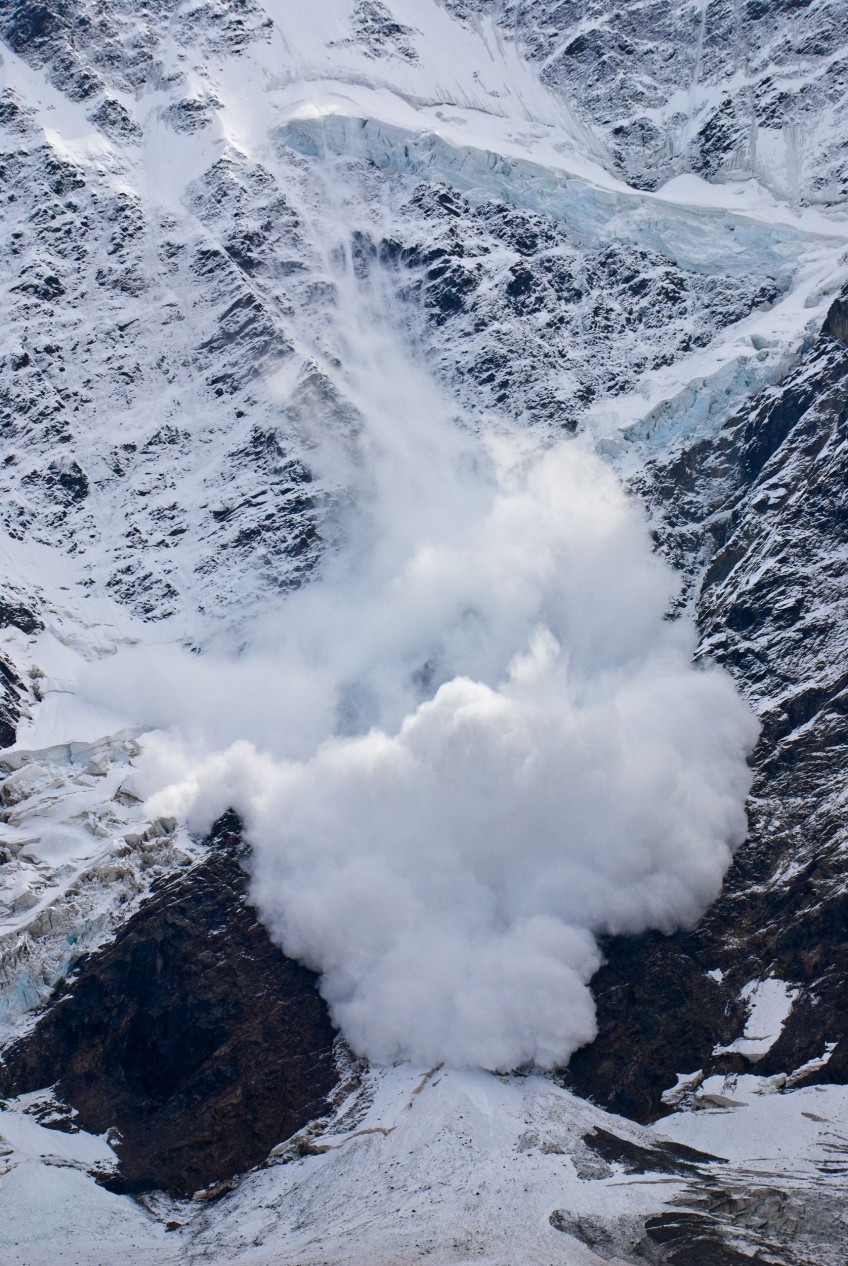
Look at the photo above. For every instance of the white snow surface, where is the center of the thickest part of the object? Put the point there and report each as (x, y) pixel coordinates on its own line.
(54, 1211)
(801, 1131)
(438, 1166)
(769, 1003)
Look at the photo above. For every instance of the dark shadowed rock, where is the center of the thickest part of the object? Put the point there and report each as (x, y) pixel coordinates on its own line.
(655, 1002)
(191, 1034)
(669, 1158)
(762, 508)
(11, 688)
(836, 322)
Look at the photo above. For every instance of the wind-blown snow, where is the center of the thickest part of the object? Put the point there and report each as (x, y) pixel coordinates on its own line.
(473, 744)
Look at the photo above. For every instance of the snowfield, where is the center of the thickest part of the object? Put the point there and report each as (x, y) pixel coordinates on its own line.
(439, 1166)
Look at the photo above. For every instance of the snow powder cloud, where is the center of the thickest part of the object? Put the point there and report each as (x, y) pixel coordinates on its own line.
(470, 746)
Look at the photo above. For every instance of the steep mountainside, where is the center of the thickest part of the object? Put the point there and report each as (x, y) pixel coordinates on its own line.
(757, 513)
(721, 87)
(229, 229)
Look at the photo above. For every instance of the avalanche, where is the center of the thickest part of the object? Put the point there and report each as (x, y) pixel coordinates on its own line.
(332, 332)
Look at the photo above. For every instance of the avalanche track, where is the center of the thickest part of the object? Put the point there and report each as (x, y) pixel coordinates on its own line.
(617, 226)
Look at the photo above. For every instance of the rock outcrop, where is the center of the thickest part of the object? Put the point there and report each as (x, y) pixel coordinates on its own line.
(758, 516)
(190, 1037)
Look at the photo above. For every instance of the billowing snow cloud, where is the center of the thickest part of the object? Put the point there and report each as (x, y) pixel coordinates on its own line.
(469, 747)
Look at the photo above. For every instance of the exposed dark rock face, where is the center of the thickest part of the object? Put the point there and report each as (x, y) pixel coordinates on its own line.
(71, 248)
(15, 615)
(570, 321)
(764, 507)
(10, 693)
(658, 1011)
(669, 1158)
(191, 1034)
(685, 1238)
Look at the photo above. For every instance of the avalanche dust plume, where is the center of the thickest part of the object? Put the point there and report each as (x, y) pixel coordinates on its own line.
(473, 743)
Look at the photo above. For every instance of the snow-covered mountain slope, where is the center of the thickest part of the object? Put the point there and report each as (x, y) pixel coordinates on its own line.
(169, 282)
(622, 221)
(440, 1166)
(720, 87)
